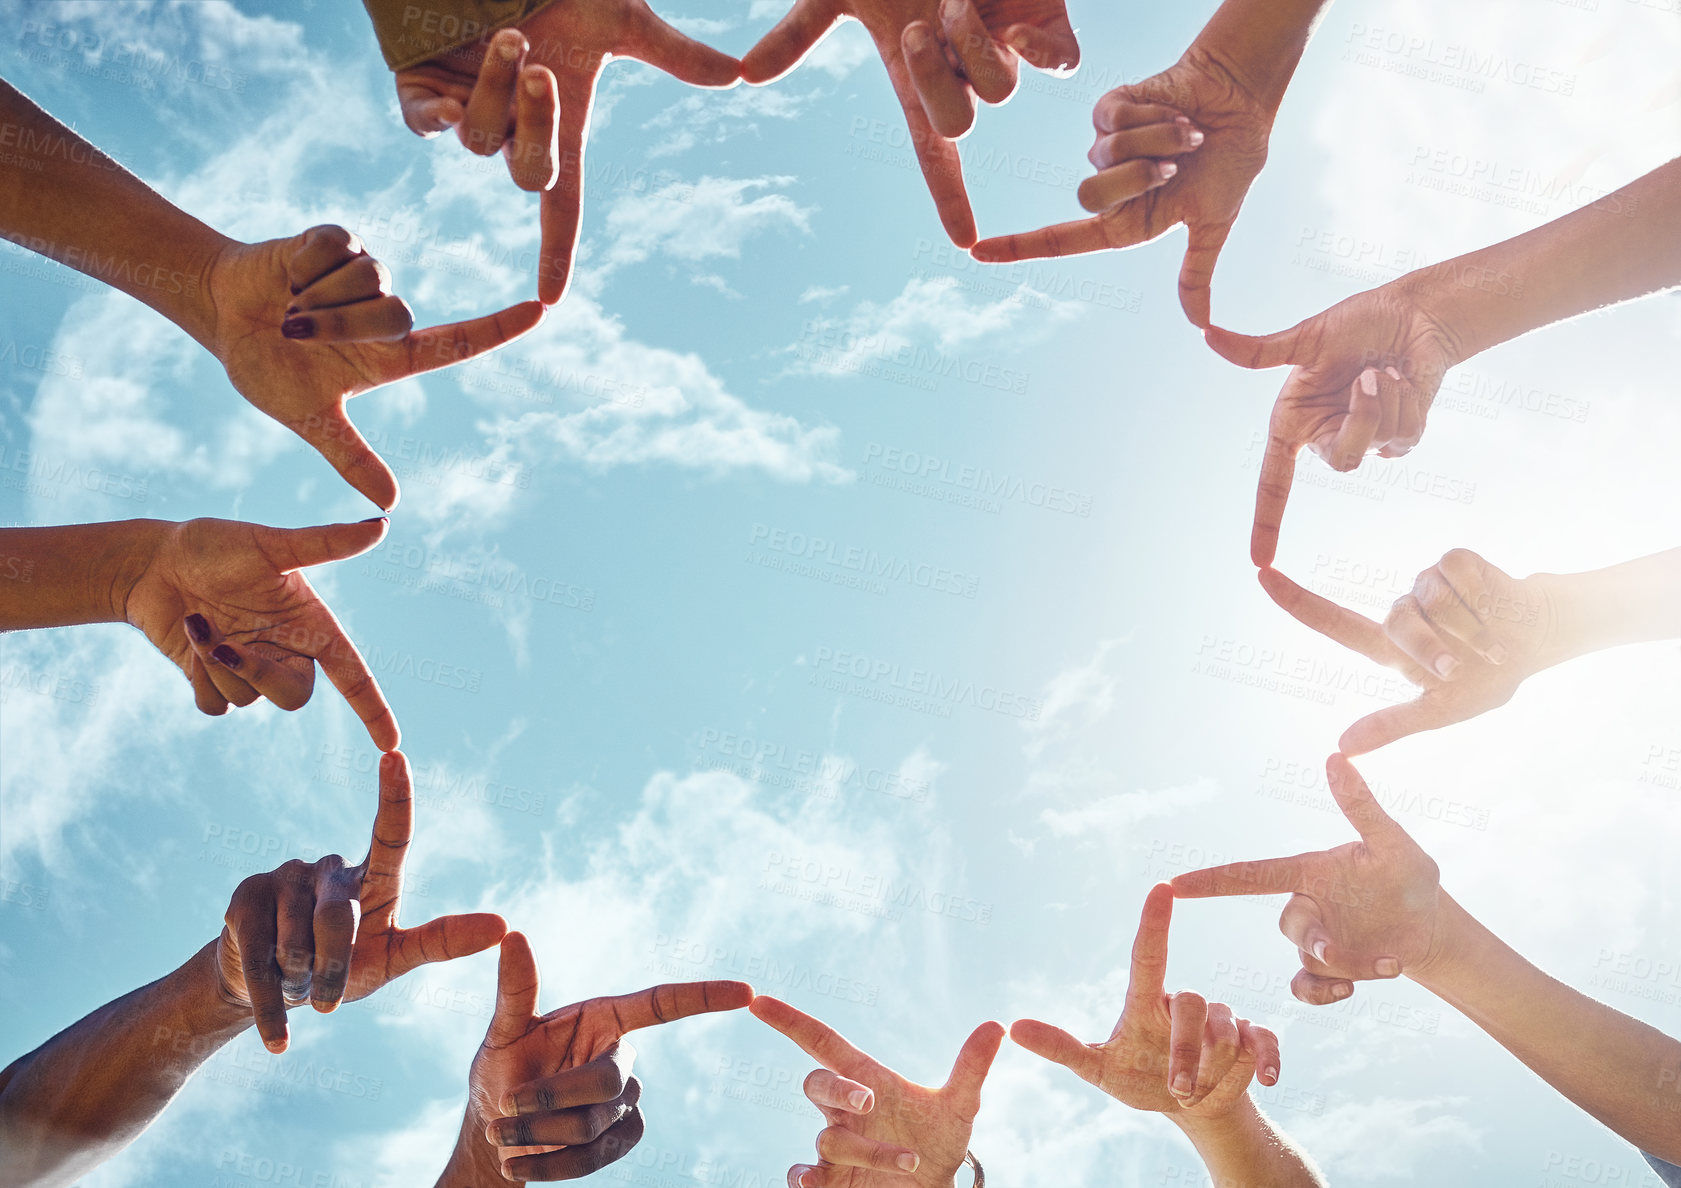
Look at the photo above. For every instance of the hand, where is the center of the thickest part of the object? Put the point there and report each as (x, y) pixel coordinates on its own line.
(327, 933)
(225, 601)
(897, 1133)
(1366, 371)
(1367, 909)
(305, 323)
(970, 53)
(1169, 1053)
(555, 57)
(1215, 132)
(1468, 635)
(940, 56)
(550, 1097)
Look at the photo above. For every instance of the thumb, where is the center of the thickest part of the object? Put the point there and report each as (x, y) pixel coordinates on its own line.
(299, 548)
(1196, 276)
(1358, 804)
(974, 1060)
(516, 992)
(349, 453)
(1246, 350)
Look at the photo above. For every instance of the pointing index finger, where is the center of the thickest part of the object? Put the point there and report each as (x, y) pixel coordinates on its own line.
(1268, 876)
(819, 1041)
(678, 1000)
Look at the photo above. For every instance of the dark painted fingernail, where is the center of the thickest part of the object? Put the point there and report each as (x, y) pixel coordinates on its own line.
(296, 289)
(225, 656)
(292, 309)
(298, 327)
(198, 628)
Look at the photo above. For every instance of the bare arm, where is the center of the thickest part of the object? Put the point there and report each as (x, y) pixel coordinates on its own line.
(90, 1090)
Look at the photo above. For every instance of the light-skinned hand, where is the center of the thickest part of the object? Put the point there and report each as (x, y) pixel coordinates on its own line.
(883, 1130)
(1468, 635)
(305, 323)
(1169, 1053)
(527, 93)
(1367, 909)
(226, 601)
(1363, 376)
(941, 56)
(1180, 147)
(327, 933)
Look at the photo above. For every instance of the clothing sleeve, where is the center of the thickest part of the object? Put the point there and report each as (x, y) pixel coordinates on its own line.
(411, 31)
(1667, 1172)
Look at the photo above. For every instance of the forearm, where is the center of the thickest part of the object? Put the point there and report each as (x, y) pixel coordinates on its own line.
(1635, 602)
(1624, 1073)
(474, 1163)
(89, 1091)
(1242, 1149)
(1620, 247)
(74, 573)
(65, 199)
(1260, 42)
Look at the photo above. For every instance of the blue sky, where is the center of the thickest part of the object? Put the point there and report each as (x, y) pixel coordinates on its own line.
(621, 661)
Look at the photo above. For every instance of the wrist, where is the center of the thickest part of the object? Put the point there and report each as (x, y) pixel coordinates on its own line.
(1453, 954)
(473, 1163)
(1201, 1128)
(124, 562)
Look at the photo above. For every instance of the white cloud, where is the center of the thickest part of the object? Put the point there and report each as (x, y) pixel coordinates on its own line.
(822, 293)
(1387, 1137)
(928, 309)
(657, 405)
(1074, 699)
(712, 218)
(1115, 818)
(714, 117)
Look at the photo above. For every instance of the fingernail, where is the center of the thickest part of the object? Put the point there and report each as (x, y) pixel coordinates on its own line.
(1392, 373)
(225, 656)
(800, 1179)
(292, 309)
(374, 520)
(1368, 382)
(1341, 990)
(1183, 120)
(534, 84)
(858, 1099)
(507, 45)
(276, 1046)
(1182, 1085)
(509, 1105)
(1269, 1074)
(1193, 138)
(907, 1161)
(1445, 664)
(1496, 653)
(298, 327)
(1166, 170)
(198, 628)
(1387, 967)
(916, 38)
(1319, 948)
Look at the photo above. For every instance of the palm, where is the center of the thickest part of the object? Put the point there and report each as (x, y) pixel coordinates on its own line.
(241, 582)
(932, 1122)
(221, 569)
(1377, 901)
(1325, 402)
(1330, 351)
